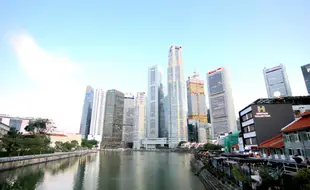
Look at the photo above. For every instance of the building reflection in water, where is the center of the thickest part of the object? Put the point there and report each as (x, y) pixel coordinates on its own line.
(92, 169)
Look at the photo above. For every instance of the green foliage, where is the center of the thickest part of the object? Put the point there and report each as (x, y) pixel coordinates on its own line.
(66, 146)
(303, 178)
(41, 126)
(267, 180)
(239, 176)
(89, 143)
(210, 146)
(15, 144)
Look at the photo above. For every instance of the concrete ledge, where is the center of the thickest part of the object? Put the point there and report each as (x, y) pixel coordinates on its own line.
(8, 163)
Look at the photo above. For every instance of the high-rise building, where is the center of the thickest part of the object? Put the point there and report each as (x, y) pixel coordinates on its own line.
(86, 112)
(163, 123)
(140, 119)
(177, 98)
(156, 94)
(113, 119)
(222, 112)
(97, 116)
(197, 110)
(276, 81)
(129, 117)
(306, 73)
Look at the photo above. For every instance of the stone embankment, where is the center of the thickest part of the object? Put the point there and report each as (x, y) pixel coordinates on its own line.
(8, 163)
(209, 181)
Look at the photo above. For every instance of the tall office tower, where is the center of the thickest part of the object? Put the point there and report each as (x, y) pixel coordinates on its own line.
(140, 119)
(129, 116)
(222, 111)
(97, 118)
(276, 81)
(113, 119)
(156, 94)
(163, 117)
(86, 112)
(177, 98)
(306, 73)
(197, 110)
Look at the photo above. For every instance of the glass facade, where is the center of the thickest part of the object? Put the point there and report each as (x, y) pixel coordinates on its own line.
(215, 83)
(306, 73)
(16, 123)
(86, 112)
(113, 120)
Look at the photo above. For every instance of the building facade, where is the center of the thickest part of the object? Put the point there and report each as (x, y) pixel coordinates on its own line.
(4, 129)
(261, 121)
(306, 73)
(97, 116)
(222, 111)
(18, 123)
(154, 100)
(140, 120)
(197, 109)
(129, 119)
(276, 81)
(177, 98)
(87, 112)
(113, 119)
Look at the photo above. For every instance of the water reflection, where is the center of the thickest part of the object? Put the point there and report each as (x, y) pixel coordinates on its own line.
(107, 170)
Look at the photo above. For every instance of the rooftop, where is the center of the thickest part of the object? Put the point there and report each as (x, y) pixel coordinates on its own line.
(302, 122)
(274, 142)
(294, 100)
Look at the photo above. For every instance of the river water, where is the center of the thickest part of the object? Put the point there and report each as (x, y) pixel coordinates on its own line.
(107, 171)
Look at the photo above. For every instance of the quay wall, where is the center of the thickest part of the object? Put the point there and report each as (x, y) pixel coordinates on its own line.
(8, 163)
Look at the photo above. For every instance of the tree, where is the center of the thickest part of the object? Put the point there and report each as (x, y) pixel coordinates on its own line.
(41, 126)
(210, 146)
(89, 143)
(303, 178)
(74, 143)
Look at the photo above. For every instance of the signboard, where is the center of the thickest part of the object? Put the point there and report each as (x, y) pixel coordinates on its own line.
(261, 112)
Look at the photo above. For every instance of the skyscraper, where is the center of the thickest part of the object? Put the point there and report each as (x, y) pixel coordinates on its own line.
(222, 111)
(197, 110)
(140, 119)
(113, 119)
(97, 119)
(86, 112)
(129, 116)
(306, 73)
(276, 81)
(177, 97)
(156, 94)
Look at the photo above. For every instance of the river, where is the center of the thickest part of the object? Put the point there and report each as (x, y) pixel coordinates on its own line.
(107, 171)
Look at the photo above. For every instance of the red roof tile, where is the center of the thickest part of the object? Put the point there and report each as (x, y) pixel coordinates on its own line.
(274, 142)
(300, 123)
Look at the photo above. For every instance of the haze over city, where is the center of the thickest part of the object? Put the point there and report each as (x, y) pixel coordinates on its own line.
(50, 51)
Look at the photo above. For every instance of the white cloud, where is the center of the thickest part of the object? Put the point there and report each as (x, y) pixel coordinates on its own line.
(57, 93)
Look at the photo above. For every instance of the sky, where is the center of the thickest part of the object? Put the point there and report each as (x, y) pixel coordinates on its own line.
(50, 50)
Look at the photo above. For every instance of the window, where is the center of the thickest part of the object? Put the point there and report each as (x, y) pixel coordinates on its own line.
(153, 95)
(247, 141)
(290, 151)
(245, 130)
(254, 141)
(251, 128)
(299, 152)
(292, 138)
(297, 138)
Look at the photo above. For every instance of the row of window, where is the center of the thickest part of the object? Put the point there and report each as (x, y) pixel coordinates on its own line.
(247, 117)
(251, 141)
(295, 137)
(249, 128)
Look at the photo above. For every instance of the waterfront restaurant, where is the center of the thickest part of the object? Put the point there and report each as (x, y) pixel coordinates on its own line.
(273, 148)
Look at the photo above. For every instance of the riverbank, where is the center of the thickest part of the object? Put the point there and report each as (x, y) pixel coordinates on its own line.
(209, 181)
(8, 163)
(151, 150)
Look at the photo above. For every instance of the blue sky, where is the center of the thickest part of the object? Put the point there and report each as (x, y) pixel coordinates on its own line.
(50, 50)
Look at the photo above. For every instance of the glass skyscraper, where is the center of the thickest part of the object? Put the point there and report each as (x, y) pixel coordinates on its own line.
(86, 112)
(113, 119)
(306, 73)
(177, 130)
(276, 81)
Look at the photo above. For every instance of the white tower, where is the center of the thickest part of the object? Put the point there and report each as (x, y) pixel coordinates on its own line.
(177, 130)
(222, 111)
